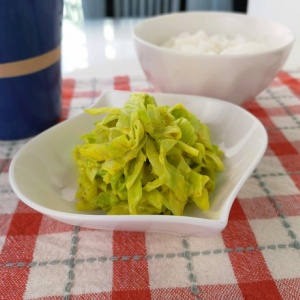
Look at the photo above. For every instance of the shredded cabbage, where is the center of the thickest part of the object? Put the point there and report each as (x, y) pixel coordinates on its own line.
(146, 159)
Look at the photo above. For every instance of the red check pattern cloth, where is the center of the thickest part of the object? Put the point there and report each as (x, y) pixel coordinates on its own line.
(257, 256)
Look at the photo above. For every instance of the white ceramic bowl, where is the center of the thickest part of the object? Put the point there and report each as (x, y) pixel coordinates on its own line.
(44, 176)
(234, 78)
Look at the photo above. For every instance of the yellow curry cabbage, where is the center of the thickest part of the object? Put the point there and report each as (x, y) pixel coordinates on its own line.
(146, 159)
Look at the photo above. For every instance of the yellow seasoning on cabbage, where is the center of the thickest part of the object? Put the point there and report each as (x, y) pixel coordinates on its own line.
(146, 159)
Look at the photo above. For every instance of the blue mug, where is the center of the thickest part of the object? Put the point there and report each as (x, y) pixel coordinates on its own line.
(30, 71)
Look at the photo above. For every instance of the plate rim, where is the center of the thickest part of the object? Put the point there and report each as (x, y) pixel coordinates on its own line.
(220, 223)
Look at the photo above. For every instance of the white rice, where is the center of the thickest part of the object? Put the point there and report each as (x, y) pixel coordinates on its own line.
(202, 43)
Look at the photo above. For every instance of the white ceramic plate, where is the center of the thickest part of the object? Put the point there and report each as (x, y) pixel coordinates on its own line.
(43, 174)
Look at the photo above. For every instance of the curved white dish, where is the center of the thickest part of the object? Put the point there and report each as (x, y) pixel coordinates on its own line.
(43, 174)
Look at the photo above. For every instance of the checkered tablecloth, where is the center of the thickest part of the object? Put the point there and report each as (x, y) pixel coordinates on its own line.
(257, 256)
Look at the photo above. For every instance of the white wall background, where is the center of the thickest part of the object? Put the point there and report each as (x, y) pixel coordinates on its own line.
(287, 12)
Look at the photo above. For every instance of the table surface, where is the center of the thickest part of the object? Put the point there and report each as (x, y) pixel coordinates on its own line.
(99, 49)
(257, 256)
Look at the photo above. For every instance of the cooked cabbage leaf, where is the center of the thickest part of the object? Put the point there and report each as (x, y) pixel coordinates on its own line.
(146, 159)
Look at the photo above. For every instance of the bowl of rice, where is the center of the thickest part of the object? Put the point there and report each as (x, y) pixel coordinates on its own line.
(228, 56)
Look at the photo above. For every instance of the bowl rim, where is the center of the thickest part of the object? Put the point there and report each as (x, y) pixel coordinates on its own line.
(220, 223)
(137, 38)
